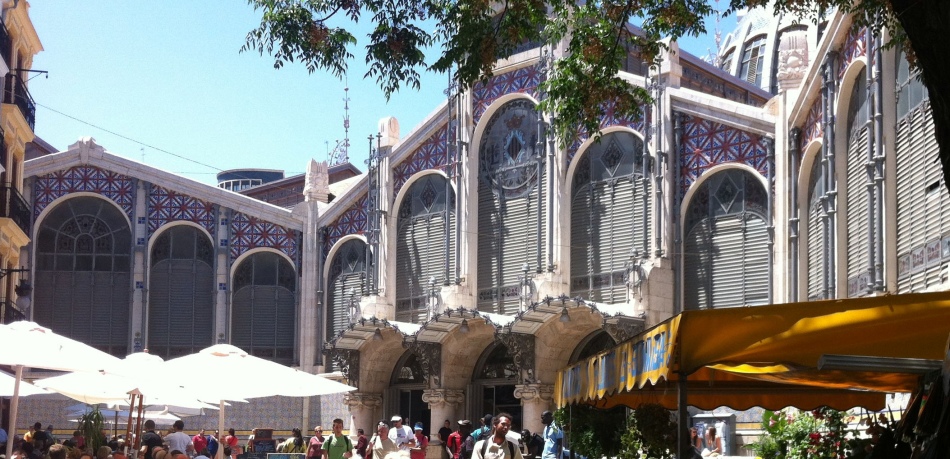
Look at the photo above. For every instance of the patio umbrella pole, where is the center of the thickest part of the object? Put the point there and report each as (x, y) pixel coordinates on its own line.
(138, 426)
(14, 404)
(128, 429)
(220, 453)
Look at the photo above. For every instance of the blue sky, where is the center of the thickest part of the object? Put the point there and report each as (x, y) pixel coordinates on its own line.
(166, 79)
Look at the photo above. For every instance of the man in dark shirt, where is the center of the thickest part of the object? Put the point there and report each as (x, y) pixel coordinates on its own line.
(41, 439)
(150, 439)
(444, 433)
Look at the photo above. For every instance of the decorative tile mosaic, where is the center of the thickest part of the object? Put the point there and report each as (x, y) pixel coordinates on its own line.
(612, 119)
(353, 221)
(853, 49)
(249, 233)
(707, 143)
(430, 155)
(811, 130)
(116, 187)
(166, 206)
(524, 80)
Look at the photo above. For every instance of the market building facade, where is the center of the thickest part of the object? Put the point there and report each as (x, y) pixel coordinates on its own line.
(477, 256)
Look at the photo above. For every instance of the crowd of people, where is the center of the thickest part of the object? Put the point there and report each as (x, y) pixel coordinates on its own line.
(392, 439)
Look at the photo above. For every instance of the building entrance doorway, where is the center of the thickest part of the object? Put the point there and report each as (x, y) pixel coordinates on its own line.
(493, 387)
(405, 394)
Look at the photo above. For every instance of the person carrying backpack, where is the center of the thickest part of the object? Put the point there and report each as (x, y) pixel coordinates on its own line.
(457, 439)
(497, 445)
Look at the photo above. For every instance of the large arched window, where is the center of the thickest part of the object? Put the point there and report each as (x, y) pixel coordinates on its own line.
(181, 293)
(610, 212)
(726, 244)
(511, 205)
(83, 276)
(859, 274)
(264, 312)
(817, 237)
(345, 284)
(923, 229)
(425, 238)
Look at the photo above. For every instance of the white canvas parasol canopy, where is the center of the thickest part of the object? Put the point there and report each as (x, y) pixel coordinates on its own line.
(26, 344)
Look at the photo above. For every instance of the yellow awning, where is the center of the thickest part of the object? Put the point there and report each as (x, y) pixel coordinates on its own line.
(762, 356)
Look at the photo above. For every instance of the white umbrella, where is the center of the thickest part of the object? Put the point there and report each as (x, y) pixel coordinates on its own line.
(270, 378)
(26, 344)
(8, 383)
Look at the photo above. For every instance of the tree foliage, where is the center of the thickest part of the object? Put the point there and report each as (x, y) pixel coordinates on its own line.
(591, 432)
(466, 38)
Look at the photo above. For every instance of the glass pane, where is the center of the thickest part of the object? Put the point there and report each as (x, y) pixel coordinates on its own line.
(183, 242)
(265, 269)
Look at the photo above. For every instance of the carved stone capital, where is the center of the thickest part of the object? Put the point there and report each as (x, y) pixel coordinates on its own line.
(623, 329)
(792, 59)
(359, 400)
(443, 397)
(534, 392)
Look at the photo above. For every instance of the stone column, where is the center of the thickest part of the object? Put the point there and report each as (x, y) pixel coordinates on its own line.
(444, 404)
(535, 399)
(364, 408)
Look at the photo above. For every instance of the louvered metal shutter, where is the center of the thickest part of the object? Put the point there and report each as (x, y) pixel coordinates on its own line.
(923, 205)
(181, 307)
(727, 262)
(419, 256)
(264, 321)
(816, 251)
(857, 227)
(582, 248)
(508, 237)
(338, 302)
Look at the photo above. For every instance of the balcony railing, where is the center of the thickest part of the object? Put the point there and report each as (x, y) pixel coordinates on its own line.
(10, 312)
(14, 207)
(15, 92)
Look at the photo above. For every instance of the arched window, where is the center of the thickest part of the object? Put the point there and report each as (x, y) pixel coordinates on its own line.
(817, 235)
(424, 230)
(859, 274)
(264, 311)
(345, 284)
(83, 275)
(595, 343)
(726, 244)
(609, 212)
(181, 293)
(753, 61)
(511, 205)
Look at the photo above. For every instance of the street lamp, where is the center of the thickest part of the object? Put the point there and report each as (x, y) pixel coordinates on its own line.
(434, 299)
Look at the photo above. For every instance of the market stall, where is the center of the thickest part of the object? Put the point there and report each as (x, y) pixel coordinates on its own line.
(799, 354)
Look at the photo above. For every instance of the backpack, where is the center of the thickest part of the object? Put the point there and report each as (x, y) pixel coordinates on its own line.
(331, 442)
(468, 447)
(511, 448)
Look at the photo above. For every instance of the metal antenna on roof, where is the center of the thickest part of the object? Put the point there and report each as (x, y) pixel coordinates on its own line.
(340, 153)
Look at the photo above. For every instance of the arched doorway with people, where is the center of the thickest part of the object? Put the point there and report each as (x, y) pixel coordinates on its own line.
(406, 388)
(493, 386)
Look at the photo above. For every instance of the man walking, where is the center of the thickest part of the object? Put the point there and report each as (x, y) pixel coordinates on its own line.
(497, 445)
(178, 440)
(337, 446)
(457, 438)
(401, 435)
(553, 437)
(150, 439)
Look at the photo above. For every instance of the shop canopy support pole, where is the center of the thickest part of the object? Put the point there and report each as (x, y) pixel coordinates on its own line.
(682, 419)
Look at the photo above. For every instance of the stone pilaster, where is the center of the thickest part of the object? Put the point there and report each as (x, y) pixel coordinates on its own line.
(365, 409)
(535, 399)
(444, 404)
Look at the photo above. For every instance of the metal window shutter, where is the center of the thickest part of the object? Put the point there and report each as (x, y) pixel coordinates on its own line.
(80, 303)
(420, 255)
(921, 215)
(726, 270)
(581, 245)
(697, 264)
(338, 302)
(181, 306)
(755, 258)
(109, 326)
(857, 215)
(507, 238)
(241, 324)
(816, 237)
